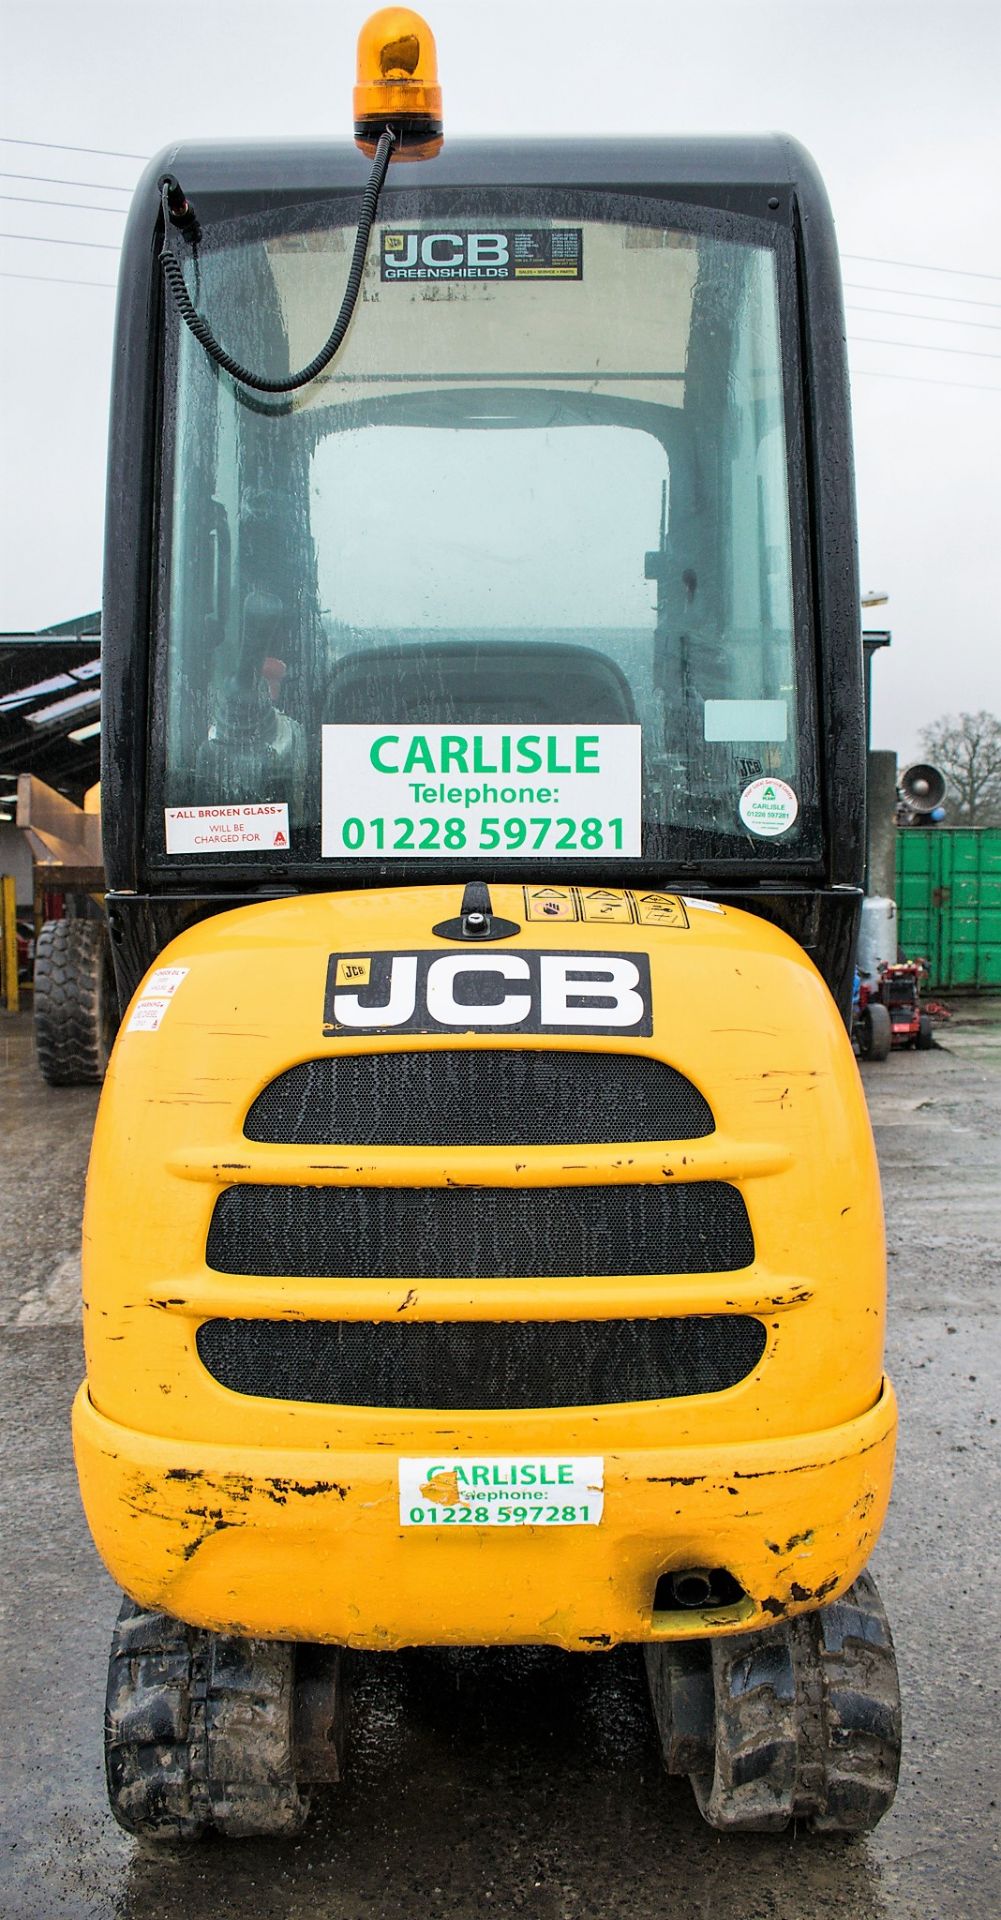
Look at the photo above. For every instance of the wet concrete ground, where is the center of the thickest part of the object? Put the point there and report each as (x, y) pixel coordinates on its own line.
(528, 1783)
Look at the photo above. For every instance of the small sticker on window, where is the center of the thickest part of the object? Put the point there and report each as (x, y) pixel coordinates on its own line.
(259, 828)
(768, 807)
(745, 720)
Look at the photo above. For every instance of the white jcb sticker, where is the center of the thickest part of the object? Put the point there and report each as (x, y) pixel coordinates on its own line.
(702, 906)
(155, 998)
(434, 992)
(259, 828)
(497, 1491)
(768, 807)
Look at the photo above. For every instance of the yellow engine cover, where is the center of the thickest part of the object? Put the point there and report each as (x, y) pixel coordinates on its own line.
(253, 1511)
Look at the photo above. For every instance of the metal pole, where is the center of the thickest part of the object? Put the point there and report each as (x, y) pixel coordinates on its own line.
(8, 951)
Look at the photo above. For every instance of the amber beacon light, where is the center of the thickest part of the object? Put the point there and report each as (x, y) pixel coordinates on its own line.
(398, 84)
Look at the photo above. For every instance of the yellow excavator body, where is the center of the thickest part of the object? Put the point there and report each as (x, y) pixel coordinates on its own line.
(274, 1323)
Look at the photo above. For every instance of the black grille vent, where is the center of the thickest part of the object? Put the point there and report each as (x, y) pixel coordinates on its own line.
(458, 1097)
(479, 1233)
(495, 1366)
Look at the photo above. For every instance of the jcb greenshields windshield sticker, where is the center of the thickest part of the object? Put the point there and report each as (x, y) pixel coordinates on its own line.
(482, 253)
(497, 1491)
(488, 993)
(438, 793)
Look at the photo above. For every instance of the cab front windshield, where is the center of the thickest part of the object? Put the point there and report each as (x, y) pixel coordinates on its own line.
(514, 578)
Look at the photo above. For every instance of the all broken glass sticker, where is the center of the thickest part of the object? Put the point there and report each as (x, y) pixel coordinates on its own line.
(482, 253)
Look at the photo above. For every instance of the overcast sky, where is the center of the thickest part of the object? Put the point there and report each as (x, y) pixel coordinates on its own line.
(897, 99)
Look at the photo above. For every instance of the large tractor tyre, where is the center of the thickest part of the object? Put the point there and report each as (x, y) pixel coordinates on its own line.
(875, 1031)
(75, 1008)
(925, 1034)
(209, 1733)
(800, 1722)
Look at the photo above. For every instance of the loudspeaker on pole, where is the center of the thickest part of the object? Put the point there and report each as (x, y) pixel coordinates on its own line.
(922, 786)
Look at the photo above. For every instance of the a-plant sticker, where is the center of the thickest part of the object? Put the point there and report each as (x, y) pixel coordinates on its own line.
(768, 807)
(496, 1491)
(258, 828)
(445, 793)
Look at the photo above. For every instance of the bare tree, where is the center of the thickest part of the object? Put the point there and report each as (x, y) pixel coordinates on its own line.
(967, 747)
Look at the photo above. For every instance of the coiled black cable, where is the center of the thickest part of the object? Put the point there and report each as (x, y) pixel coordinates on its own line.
(200, 326)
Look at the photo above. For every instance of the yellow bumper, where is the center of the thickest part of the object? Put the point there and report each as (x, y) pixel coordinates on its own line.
(305, 1544)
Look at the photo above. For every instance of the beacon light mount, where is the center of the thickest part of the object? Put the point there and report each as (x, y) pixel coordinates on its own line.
(398, 85)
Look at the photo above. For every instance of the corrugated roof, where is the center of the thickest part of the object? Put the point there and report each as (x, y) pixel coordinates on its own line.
(50, 706)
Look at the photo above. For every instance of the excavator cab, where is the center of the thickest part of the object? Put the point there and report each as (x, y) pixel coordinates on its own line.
(483, 1239)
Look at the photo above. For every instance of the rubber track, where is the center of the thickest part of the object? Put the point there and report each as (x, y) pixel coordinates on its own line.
(198, 1732)
(800, 1722)
(74, 1022)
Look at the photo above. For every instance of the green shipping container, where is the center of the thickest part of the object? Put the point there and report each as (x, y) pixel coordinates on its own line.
(949, 902)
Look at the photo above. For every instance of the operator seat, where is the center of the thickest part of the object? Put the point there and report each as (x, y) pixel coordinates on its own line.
(472, 682)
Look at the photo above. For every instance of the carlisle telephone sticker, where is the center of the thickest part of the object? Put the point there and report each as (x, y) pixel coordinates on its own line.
(494, 1491)
(406, 792)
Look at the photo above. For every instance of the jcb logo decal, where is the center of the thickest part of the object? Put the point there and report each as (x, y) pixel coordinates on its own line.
(488, 993)
(481, 253)
(446, 256)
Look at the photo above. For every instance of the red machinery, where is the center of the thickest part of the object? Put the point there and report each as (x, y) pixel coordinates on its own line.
(897, 991)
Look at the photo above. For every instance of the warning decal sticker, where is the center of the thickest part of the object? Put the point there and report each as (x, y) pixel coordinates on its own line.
(603, 903)
(530, 1491)
(164, 982)
(659, 910)
(620, 906)
(483, 253)
(259, 828)
(551, 903)
(147, 1016)
(154, 999)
